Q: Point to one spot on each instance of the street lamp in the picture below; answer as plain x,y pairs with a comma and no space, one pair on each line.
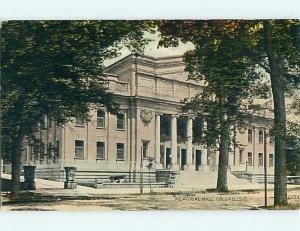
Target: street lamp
141,172
265,168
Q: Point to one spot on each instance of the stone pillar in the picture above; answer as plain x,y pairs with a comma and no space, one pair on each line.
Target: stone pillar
216,156
189,143
204,166
70,182
157,140
174,141
29,177
203,156
253,164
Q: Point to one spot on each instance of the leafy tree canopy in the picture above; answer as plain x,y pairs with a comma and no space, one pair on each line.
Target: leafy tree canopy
55,68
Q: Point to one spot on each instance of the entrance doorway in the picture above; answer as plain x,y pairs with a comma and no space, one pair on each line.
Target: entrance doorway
198,159
168,158
183,158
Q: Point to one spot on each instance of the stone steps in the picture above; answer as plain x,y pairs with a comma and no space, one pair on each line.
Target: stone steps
258,178
205,180
130,185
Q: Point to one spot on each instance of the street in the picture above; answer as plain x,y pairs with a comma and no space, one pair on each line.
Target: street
235,200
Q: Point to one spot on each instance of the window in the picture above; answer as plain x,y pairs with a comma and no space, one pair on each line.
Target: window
120,151
260,159
249,158
241,155
271,160
100,150
249,135
79,149
272,138
145,149
100,119
79,122
121,121
261,136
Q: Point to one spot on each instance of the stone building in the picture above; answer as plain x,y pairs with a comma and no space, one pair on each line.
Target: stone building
149,91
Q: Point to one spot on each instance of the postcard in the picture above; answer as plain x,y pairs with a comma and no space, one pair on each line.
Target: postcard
131,115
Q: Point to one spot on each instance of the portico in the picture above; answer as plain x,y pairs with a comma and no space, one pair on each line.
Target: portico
177,151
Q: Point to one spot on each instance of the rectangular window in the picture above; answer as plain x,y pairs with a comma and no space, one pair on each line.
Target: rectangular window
120,151
249,158
100,119
121,121
79,149
145,149
271,160
79,122
100,150
241,155
272,138
261,136
260,159
249,135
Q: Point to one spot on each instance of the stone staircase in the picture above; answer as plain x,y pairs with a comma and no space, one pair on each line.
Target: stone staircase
258,178
207,180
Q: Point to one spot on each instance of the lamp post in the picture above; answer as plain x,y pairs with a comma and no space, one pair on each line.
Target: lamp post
265,168
141,172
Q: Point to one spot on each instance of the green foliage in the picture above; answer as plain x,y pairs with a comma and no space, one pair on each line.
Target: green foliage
55,68
293,148
226,66
230,56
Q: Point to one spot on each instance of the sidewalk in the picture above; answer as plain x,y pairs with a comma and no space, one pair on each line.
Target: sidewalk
55,188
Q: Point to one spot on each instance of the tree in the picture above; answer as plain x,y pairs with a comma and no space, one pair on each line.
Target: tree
231,80
283,58
276,45
54,69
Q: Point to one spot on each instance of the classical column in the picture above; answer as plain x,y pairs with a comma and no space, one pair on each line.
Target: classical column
204,152
157,138
204,156
232,147
189,143
174,139
253,164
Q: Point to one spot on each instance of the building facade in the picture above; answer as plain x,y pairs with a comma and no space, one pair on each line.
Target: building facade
150,124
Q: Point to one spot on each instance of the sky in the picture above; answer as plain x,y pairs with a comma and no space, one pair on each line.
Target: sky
152,50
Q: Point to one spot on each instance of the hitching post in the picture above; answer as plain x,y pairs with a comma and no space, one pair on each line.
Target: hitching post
29,177
70,178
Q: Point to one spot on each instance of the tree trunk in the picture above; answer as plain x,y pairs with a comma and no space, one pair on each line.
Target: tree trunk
16,165
222,185
277,82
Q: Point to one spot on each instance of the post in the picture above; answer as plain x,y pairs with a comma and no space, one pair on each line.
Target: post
141,172
265,168
157,138
70,178
29,177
